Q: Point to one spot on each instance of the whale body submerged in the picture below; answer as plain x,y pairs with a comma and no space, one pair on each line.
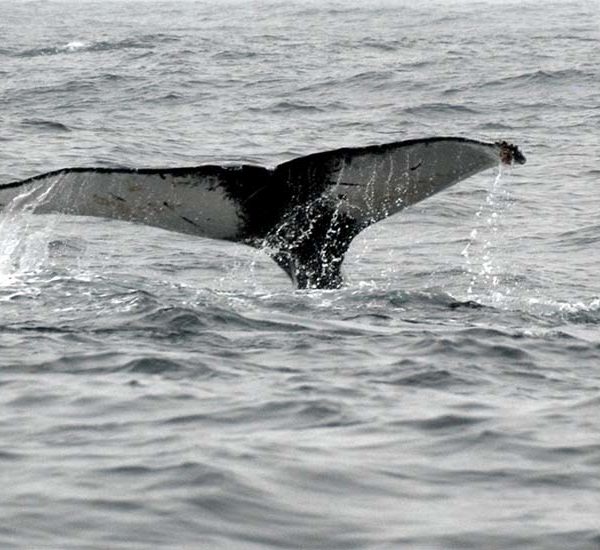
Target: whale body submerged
304,213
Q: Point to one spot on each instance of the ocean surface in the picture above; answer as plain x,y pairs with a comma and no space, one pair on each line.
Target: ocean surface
164,391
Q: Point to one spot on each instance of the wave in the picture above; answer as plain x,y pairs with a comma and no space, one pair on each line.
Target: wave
284,107
494,127
368,76
77,46
422,376
433,108
372,78
153,365
50,125
566,37
558,312
234,55
580,237
541,77
380,45
69,86
305,413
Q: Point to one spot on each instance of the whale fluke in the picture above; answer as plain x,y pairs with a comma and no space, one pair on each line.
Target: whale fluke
303,213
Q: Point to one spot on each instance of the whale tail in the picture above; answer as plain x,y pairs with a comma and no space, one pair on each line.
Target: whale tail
336,194
303,213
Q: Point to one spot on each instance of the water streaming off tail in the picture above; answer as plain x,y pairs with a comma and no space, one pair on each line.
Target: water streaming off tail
485,256
24,239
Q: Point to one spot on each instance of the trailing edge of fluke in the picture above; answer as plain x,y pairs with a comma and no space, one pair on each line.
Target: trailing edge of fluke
304,213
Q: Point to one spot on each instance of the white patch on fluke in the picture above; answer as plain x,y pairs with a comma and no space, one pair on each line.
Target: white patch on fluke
177,203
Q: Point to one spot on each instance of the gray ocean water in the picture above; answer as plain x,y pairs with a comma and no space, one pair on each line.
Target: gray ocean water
164,391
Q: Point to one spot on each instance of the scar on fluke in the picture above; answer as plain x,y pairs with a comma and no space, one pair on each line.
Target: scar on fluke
117,197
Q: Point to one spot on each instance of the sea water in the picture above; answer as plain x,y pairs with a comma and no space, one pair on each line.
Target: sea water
164,391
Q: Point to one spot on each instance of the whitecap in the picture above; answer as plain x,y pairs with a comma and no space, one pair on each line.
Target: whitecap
74,46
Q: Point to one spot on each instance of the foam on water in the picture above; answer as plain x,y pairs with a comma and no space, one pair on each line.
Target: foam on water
75,45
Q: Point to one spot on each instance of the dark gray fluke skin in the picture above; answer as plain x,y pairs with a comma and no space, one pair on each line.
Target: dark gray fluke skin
303,213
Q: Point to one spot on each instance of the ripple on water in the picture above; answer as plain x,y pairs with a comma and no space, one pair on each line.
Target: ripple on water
143,405
49,125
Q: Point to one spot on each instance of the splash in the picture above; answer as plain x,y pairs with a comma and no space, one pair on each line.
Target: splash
23,240
483,253
74,46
